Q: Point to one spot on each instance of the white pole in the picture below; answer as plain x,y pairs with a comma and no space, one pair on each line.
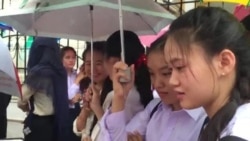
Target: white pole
127,71
91,44
121,31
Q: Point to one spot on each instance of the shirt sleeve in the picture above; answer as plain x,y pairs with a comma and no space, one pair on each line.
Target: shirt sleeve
114,127
78,133
140,120
73,90
27,92
86,131
133,104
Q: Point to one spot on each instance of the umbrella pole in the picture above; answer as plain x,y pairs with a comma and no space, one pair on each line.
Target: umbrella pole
121,31
91,8
127,71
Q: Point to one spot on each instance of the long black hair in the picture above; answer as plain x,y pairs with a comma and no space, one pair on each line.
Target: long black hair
133,51
215,30
107,87
98,46
246,22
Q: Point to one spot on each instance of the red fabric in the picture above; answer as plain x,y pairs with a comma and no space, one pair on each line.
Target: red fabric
241,11
18,81
142,60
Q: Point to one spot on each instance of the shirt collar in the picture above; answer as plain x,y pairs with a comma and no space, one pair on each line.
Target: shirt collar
73,73
195,114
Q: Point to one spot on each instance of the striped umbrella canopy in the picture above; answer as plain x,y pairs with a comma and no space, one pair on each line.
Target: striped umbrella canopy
5,27
243,2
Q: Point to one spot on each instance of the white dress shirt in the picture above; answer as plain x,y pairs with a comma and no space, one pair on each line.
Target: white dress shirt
240,124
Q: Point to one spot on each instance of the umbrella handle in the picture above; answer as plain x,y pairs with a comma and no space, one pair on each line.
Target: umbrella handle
128,75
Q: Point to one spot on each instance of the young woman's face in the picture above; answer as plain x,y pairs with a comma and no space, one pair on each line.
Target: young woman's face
192,77
69,60
99,72
159,74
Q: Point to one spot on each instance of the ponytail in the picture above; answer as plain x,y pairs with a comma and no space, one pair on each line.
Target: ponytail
142,81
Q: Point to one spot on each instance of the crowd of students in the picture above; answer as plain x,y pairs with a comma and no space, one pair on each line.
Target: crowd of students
200,69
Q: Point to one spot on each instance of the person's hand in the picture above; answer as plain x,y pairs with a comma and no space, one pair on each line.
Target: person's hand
134,136
85,102
85,112
79,77
76,98
95,97
122,89
24,107
87,139
82,68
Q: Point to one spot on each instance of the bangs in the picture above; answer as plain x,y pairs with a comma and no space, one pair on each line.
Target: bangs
183,38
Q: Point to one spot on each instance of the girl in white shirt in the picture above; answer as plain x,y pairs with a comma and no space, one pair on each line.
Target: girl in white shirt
208,52
140,94
84,123
163,119
68,57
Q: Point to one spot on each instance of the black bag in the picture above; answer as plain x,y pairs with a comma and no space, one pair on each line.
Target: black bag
232,138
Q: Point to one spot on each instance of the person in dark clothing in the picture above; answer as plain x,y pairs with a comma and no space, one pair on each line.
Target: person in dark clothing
45,94
4,102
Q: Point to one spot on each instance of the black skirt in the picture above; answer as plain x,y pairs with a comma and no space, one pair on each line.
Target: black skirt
39,128
73,113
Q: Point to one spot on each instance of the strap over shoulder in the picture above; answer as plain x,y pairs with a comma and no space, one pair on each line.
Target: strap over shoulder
154,109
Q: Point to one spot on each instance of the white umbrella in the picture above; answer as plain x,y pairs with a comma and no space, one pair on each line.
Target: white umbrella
9,80
87,19
72,18
11,139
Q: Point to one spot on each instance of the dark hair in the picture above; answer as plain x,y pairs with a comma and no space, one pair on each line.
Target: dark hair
84,84
65,49
106,88
133,51
246,22
98,46
44,51
158,44
215,29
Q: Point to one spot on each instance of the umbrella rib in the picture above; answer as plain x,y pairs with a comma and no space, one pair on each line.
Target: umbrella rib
145,22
